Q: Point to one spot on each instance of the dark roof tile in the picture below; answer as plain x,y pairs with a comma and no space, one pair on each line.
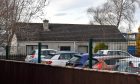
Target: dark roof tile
68,32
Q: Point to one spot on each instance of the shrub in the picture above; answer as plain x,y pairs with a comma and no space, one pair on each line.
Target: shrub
100,46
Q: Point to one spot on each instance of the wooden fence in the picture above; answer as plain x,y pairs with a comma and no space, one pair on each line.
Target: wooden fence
12,72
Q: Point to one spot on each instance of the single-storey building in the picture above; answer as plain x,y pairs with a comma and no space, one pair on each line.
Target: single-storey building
71,37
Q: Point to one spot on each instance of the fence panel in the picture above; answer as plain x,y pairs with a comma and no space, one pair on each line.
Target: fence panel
25,73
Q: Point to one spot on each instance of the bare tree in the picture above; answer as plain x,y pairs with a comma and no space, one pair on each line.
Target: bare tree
14,11
114,12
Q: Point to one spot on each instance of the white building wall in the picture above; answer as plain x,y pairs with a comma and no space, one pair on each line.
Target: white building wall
51,45
117,46
74,45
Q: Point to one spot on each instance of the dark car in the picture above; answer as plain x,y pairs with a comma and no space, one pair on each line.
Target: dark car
83,61
80,60
77,60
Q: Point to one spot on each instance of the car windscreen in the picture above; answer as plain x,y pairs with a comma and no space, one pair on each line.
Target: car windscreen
65,56
111,61
75,58
94,61
118,53
48,56
51,52
33,52
122,66
100,52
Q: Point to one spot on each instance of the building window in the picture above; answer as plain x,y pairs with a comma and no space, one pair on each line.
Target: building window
82,49
65,48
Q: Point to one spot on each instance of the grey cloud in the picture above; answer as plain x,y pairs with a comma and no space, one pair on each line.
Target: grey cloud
78,4
74,6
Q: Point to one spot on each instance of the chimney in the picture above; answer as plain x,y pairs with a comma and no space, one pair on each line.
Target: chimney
46,25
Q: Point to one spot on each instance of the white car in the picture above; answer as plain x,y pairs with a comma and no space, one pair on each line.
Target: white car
128,57
130,65
60,59
47,53
134,60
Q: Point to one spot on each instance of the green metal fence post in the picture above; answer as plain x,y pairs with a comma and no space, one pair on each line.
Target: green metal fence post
90,53
7,52
39,52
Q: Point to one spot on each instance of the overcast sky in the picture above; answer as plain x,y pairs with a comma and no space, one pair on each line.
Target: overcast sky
73,11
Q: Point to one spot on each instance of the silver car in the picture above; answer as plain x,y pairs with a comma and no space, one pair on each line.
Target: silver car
47,53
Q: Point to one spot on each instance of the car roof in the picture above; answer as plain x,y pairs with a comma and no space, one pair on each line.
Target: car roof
108,57
94,54
66,52
136,59
109,50
106,51
45,49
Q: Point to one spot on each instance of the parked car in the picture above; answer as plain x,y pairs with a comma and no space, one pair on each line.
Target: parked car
47,53
135,61
103,63
123,63
82,61
60,58
125,66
